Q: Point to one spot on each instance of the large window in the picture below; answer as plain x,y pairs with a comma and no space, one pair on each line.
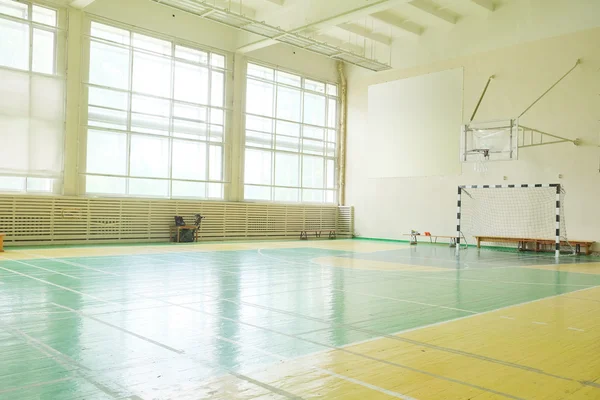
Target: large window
291,137
32,99
156,117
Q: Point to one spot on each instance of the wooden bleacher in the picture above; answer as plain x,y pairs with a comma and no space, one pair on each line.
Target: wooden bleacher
538,243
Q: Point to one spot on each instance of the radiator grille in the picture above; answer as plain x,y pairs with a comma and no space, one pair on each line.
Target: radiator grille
28,220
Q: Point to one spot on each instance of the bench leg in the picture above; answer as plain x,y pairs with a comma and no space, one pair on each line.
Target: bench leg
1,244
303,235
478,243
332,235
318,234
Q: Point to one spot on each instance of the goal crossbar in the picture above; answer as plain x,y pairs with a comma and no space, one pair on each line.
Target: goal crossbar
463,189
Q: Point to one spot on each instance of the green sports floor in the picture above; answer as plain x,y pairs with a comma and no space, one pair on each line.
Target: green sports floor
324,319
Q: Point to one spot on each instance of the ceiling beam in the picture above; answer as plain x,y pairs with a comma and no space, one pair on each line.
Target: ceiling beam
366,33
81,4
327,22
431,9
353,48
487,4
398,22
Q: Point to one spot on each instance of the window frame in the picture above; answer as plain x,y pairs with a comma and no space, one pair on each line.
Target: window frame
274,135
224,126
59,30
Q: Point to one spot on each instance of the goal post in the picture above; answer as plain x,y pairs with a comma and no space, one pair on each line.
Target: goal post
512,214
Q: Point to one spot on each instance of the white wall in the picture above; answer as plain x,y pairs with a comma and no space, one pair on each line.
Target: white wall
388,208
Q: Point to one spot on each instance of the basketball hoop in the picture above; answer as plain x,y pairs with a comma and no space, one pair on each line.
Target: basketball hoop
481,160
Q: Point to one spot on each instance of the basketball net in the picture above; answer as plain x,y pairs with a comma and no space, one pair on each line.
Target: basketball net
483,156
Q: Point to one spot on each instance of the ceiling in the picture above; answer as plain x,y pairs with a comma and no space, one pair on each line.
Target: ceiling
361,32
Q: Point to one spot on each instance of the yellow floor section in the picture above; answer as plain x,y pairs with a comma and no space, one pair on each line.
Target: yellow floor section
546,349
373,265
587,268
358,246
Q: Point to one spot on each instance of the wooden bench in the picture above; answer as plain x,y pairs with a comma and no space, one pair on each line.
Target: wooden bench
2,242
304,234
538,243
432,238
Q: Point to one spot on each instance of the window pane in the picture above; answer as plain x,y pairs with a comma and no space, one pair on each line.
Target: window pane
287,194
259,139
105,185
109,66
144,123
149,156
259,124
215,191
107,98
110,33
103,118
260,71
151,44
40,185
331,135
44,15
215,158
330,197
191,83
43,51
217,116
288,103
150,105
14,9
289,79
313,147
288,128
152,75
259,98
217,60
217,89
313,133
148,187
216,133
258,167
190,130
312,172
189,112
287,143
313,196
189,160
193,55
14,46
314,109
189,189
257,193
332,113
10,183
330,174
314,86
332,90
287,168
106,153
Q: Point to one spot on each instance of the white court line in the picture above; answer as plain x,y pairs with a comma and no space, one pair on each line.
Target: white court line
154,342
539,323
56,259
575,329
42,268
367,385
60,286
511,318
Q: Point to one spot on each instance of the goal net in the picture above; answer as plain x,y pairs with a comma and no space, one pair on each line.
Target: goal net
503,213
